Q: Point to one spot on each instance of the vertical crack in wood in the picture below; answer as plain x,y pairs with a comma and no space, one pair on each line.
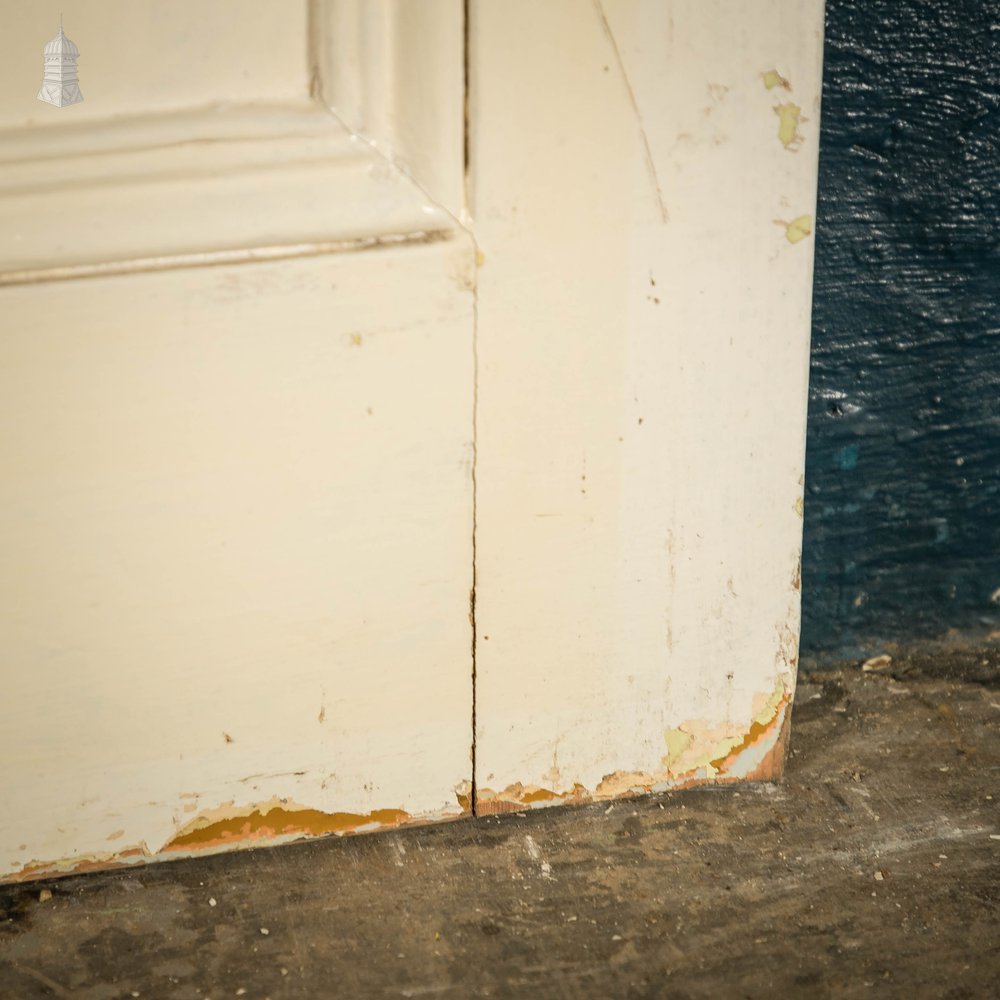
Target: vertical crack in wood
466,129
466,157
475,523
314,35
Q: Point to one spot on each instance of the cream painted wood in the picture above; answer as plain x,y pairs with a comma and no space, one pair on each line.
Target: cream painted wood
362,141
642,212
193,187
236,516
264,366
139,58
393,70
236,526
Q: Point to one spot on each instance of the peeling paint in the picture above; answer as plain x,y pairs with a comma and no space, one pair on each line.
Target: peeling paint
78,866
228,827
464,793
677,741
274,819
697,754
772,78
518,797
796,230
789,116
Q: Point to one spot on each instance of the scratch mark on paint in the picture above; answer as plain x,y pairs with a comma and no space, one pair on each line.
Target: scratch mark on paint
116,835
218,258
269,774
647,151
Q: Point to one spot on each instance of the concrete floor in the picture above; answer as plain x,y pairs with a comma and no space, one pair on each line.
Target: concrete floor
873,870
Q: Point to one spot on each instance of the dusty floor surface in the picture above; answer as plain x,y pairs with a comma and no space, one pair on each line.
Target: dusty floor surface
873,870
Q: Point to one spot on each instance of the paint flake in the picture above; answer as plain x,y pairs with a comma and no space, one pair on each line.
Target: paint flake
696,754
789,117
772,78
795,231
227,828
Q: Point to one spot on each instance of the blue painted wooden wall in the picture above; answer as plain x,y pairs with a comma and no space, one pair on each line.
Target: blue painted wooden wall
902,514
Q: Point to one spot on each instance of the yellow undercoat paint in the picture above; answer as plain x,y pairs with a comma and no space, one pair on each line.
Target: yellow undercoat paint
788,124
277,821
798,229
772,78
710,755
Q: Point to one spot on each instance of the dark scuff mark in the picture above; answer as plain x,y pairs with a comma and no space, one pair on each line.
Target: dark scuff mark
314,34
647,151
466,86
222,258
475,530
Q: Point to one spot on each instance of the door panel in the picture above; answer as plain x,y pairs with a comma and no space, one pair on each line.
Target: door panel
236,520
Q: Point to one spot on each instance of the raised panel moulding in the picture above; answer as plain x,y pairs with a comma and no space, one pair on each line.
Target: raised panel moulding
215,185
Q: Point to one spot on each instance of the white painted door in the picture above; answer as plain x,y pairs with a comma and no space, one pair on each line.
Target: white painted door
323,434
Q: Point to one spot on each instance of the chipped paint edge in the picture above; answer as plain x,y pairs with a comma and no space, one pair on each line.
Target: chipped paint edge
759,755
229,828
